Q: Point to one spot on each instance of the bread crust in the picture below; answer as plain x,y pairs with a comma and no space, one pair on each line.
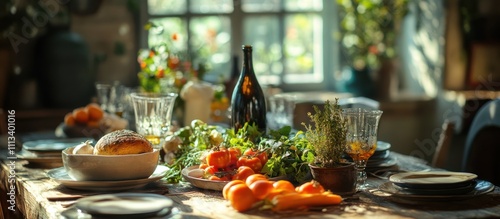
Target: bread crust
122,142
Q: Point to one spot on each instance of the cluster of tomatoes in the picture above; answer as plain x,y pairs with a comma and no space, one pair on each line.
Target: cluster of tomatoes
225,164
282,194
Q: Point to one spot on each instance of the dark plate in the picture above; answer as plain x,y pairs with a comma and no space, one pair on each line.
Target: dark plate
432,180
389,189
124,205
382,146
444,191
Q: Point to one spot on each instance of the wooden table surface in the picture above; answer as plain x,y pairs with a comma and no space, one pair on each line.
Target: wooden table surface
38,196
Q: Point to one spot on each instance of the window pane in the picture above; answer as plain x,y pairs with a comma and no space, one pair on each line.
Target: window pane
211,6
158,7
211,43
260,5
164,30
302,46
263,33
303,5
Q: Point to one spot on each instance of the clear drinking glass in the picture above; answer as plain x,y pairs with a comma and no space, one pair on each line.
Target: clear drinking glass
153,115
362,126
281,110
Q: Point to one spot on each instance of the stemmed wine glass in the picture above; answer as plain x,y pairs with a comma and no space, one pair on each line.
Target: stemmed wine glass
362,126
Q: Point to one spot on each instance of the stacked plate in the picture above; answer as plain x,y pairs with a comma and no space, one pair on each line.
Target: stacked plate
121,205
435,186
381,158
47,153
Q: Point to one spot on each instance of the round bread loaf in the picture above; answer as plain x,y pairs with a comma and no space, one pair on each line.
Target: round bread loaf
122,142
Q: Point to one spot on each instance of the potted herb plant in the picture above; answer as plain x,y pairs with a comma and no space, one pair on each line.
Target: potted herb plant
327,140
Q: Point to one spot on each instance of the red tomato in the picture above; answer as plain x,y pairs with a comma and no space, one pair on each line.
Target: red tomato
234,155
252,162
262,155
243,173
218,159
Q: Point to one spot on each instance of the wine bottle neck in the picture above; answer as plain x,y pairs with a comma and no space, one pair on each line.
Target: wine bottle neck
247,67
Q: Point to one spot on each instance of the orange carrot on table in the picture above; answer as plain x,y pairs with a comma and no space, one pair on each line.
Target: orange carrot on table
296,200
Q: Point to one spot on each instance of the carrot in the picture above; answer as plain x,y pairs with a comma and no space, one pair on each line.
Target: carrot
297,200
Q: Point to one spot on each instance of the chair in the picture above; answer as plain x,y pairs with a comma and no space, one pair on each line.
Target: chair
443,146
482,147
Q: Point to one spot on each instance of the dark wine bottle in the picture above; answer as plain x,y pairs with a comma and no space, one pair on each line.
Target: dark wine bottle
248,104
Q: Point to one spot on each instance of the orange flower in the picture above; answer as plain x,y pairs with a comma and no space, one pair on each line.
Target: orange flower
175,37
160,73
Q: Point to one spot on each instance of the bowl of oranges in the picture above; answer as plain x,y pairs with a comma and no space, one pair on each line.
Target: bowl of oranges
90,121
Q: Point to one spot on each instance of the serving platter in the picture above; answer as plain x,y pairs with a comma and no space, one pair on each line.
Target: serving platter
61,176
210,184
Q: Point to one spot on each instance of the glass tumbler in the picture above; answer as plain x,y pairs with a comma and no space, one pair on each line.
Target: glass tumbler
153,115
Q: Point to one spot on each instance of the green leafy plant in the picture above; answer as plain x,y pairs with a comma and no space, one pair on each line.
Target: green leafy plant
369,30
327,136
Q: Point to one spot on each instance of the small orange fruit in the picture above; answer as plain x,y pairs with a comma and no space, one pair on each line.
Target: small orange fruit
255,177
93,124
95,112
81,115
261,188
241,197
69,120
284,185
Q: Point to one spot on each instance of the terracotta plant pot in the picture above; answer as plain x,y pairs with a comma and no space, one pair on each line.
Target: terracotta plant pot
339,180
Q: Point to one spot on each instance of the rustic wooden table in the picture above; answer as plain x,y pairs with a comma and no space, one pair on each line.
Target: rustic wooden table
37,196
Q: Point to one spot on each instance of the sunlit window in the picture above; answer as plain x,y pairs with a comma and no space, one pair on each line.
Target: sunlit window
287,35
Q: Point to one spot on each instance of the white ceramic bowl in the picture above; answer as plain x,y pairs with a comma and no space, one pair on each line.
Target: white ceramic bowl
89,167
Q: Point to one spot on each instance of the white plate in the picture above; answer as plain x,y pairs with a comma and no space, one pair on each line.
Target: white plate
436,179
61,176
481,187
40,161
202,183
52,145
124,204
210,184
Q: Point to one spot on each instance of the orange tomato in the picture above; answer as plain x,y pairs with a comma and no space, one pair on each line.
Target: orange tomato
243,173
203,166
95,112
81,115
210,170
311,187
93,124
214,178
226,188
69,120
284,185
241,197
255,177
261,188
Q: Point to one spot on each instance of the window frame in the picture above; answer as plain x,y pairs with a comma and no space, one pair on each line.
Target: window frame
330,61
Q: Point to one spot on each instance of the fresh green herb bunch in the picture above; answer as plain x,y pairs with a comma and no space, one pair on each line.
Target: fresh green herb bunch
328,136
288,154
